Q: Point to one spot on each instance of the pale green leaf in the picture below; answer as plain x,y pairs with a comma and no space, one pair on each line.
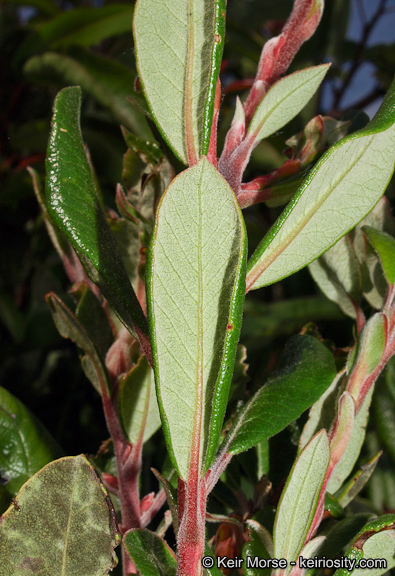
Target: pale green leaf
179,46
195,294
341,189
299,498
138,404
346,464
285,100
62,523
338,274
382,546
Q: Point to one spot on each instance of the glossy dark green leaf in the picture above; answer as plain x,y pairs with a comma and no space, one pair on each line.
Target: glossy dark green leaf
258,545
150,554
25,445
75,208
108,81
62,523
308,370
69,327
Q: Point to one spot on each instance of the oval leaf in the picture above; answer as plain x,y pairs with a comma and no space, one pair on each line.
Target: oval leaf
179,47
150,554
61,523
196,273
75,209
299,498
340,190
309,369
26,446
285,99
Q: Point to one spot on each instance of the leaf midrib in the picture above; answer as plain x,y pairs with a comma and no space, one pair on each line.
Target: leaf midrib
310,214
277,104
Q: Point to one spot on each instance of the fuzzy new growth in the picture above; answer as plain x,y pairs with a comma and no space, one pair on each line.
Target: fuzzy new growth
275,59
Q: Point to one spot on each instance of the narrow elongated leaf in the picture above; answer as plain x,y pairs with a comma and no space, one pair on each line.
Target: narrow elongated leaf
308,371
299,498
75,208
285,100
26,446
179,47
62,523
138,404
196,290
340,190
150,554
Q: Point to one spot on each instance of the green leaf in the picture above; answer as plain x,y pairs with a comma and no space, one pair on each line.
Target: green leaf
195,298
86,27
62,523
308,370
93,318
338,274
352,488
263,322
376,540
138,405
179,47
69,326
323,412
346,464
75,208
285,99
26,446
340,190
105,79
149,149
259,544
385,248
171,497
150,554
382,546
299,498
